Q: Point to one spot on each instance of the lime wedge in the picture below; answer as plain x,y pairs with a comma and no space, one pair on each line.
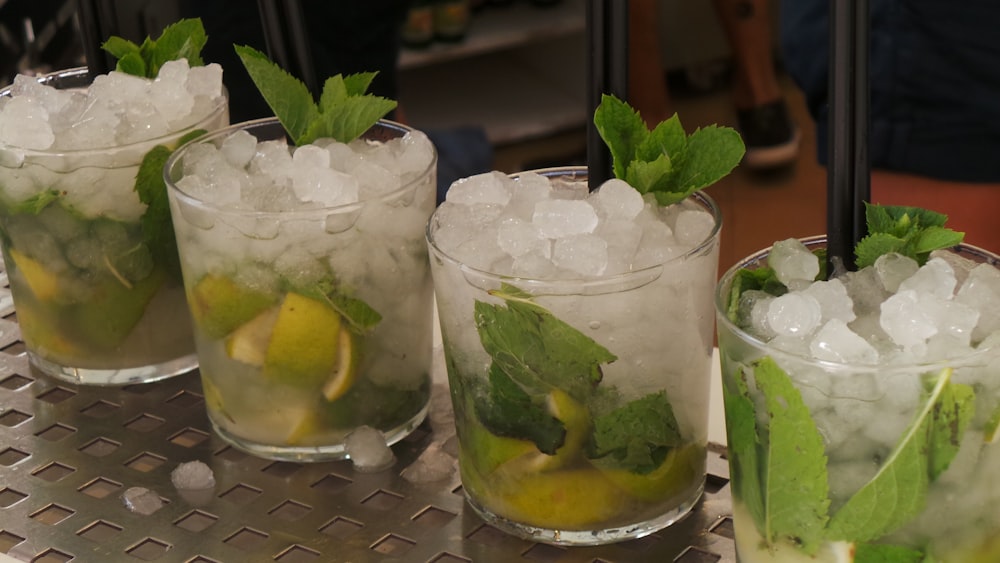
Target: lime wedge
43,283
342,378
219,305
305,342
576,418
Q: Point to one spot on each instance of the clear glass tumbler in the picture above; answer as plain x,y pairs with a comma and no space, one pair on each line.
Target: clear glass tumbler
841,450
312,321
581,405
91,262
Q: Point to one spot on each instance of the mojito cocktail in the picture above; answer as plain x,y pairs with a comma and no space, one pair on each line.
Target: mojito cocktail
308,281
84,225
577,329
862,408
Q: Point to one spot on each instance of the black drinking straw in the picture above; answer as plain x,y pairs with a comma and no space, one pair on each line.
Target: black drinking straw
287,39
95,29
607,41
848,172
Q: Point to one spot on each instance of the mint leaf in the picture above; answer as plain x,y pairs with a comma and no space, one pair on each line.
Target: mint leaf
638,435
286,95
537,350
796,498
36,203
360,316
510,411
748,481
910,231
183,39
898,491
665,161
879,553
622,129
344,111
762,279
952,415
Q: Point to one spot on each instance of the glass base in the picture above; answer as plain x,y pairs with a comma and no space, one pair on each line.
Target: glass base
331,452
114,377
588,537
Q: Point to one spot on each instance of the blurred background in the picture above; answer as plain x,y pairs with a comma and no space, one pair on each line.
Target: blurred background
501,84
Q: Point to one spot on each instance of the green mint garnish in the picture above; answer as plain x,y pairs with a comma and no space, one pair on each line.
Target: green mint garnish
794,477
182,39
512,412
881,553
910,231
638,435
344,110
665,161
157,227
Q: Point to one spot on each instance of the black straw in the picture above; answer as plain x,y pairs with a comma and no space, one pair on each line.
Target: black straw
288,40
95,30
607,36
849,173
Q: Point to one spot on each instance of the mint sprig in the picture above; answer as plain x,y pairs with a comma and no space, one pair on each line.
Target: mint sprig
182,39
344,110
666,161
910,231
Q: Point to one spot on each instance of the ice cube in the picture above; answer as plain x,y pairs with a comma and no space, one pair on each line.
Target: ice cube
833,299
657,245
533,265
529,189
584,254
169,94
835,342
559,218
414,155
693,227
205,80
792,261
192,475
517,238
981,291
238,149
368,450
905,321
893,268
616,199
489,188
934,278
25,123
141,500
794,314
623,238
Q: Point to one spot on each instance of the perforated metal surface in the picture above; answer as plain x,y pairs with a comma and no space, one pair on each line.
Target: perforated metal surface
67,455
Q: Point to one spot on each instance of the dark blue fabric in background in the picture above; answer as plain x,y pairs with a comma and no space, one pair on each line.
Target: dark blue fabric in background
935,82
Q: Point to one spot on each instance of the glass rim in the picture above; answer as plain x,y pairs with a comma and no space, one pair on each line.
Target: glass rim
175,158
79,72
583,282
721,298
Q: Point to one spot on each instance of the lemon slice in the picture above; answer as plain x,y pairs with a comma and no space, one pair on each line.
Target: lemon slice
681,468
576,418
304,345
343,375
219,305
43,283
563,499
249,342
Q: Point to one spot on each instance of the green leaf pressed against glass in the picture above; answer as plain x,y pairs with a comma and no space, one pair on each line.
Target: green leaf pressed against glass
878,553
952,415
898,492
511,412
744,445
638,435
796,493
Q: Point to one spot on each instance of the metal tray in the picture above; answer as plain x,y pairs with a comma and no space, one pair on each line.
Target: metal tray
68,454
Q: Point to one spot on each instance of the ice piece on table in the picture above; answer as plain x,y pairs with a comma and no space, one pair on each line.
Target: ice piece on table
141,500
368,451
794,314
792,262
192,475
564,217
835,342
893,268
433,464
